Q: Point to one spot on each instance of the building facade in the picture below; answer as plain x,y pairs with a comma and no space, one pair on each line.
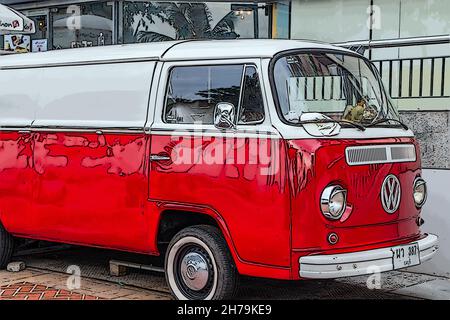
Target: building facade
416,71
69,24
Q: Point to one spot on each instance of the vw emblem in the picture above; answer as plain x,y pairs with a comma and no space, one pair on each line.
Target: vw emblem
391,194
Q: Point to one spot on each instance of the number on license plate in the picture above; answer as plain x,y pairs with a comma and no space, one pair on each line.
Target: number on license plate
406,256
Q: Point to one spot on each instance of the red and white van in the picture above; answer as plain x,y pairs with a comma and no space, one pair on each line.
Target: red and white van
268,158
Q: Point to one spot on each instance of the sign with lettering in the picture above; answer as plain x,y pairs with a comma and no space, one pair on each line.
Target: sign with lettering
17,43
39,45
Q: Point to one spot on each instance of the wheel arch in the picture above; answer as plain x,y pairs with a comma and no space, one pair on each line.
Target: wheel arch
174,218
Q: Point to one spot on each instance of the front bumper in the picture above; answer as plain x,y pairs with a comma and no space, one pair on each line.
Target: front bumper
361,262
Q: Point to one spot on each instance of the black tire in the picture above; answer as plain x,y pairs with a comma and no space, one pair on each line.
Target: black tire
6,247
205,246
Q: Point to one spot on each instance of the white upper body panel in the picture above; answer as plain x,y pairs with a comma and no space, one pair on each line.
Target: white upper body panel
94,55
110,87
237,49
94,96
170,50
17,97
106,87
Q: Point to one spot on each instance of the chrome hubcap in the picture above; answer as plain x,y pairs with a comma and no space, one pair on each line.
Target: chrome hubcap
194,271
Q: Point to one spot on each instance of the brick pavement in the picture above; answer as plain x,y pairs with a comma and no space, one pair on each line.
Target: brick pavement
32,291
36,284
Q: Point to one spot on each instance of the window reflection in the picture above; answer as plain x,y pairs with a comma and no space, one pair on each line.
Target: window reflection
194,92
339,86
252,106
164,21
83,25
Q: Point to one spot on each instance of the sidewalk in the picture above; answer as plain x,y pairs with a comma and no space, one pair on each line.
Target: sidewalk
34,284
409,285
46,278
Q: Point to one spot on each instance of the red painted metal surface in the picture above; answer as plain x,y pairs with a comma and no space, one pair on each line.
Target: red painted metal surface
250,196
16,181
315,164
100,190
78,188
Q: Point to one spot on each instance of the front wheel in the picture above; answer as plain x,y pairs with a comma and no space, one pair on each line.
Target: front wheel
199,265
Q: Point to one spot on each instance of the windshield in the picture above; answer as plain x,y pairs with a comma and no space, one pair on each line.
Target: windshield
339,86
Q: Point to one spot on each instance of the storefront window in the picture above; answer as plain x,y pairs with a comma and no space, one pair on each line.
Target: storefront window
82,25
39,40
17,43
164,21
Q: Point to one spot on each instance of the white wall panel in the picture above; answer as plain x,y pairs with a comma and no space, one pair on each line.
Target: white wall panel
330,21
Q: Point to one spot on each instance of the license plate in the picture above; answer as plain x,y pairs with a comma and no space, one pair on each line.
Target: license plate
406,256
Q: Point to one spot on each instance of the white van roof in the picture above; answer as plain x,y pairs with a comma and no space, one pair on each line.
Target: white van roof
164,51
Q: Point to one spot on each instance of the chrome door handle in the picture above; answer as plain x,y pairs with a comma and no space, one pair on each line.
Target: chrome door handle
158,157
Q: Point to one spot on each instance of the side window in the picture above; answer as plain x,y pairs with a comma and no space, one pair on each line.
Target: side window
252,105
193,92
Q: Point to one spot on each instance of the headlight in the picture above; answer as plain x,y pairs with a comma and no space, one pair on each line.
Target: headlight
333,202
420,192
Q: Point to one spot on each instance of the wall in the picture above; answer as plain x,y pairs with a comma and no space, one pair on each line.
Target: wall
330,21
432,131
436,214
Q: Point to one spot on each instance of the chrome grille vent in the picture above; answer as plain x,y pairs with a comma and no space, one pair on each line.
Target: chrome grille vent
380,154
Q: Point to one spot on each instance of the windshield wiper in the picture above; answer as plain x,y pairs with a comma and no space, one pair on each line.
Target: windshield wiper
404,126
353,124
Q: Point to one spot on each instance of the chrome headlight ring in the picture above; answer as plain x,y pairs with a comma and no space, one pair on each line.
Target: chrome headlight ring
419,192
333,202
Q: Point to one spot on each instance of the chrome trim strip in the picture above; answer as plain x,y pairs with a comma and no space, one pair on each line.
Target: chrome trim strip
78,63
18,129
74,129
157,157
164,132
216,133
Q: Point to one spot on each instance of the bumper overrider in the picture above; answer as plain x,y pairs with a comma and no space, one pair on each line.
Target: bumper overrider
361,262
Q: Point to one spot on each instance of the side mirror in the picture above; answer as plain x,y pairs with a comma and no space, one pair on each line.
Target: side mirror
224,115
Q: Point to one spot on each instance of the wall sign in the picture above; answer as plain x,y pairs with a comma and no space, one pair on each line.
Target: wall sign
17,43
39,45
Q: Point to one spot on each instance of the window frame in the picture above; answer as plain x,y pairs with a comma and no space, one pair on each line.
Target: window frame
238,121
245,65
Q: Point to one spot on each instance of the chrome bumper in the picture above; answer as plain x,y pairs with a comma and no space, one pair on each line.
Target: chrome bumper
361,262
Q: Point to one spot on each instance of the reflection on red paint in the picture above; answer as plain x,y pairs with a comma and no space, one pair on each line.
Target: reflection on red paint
43,158
120,159
11,154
